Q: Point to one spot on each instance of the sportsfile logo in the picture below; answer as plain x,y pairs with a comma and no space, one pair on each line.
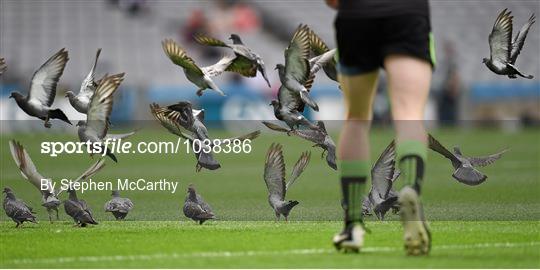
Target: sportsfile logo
114,146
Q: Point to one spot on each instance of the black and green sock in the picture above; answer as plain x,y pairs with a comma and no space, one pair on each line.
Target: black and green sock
354,176
412,156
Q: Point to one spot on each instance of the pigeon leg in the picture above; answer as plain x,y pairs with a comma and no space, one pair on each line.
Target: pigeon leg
286,219
277,217
323,152
47,124
200,92
17,225
57,217
49,213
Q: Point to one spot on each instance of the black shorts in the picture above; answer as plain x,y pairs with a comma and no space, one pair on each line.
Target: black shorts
364,43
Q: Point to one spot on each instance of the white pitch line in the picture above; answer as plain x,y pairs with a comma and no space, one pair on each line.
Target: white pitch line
225,254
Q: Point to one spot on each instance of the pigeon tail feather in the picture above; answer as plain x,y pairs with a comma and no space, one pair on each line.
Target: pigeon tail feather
59,114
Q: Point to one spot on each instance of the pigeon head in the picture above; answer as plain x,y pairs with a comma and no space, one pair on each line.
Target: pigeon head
81,123
274,103
191,192
69,94
485,60
9,193
235,39
7,190
16,95
115,193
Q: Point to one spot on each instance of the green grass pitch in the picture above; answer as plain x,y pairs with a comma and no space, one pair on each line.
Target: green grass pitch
492,225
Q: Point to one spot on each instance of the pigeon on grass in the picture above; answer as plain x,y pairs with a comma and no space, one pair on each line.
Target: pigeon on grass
79,210
274,177
464,167
42,91
118,206
319,136
246,62
201,77
196,208
49,196
17,209
95,128
503,50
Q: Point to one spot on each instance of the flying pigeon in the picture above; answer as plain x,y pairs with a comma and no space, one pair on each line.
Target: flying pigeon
118,206
320,137
43,90
319,48
184,121
465,171
3,66
17,209
78,210
295,75
201,77
503,50
49,196
95,128
196,208
246,62
81,101
274,177
382,197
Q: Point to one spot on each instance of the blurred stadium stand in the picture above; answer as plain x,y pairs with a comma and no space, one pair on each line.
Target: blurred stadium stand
32,30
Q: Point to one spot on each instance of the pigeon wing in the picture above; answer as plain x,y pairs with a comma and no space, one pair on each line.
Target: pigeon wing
45,79
179,57
181,112
297,54
3,65
243,66
275,127
100,106
91,171
519,40
439,148
88,85
219,67
27,167
487,160
298,168
168,122
120,136
383,171
210,41
500,38
274,171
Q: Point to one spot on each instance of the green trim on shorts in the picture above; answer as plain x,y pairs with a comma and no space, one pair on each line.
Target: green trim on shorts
432,50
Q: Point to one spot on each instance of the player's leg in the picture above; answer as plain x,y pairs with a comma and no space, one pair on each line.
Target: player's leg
358,69
409,80
353,154
409,60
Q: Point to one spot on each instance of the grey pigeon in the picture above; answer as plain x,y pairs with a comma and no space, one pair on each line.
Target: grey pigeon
49,196
320,48
320,137
503,50
465,171
43,90
17,209
184,121
295,74
274,177
196,208
81,101
382,197
78,210
118,206
3,66
95,128
201,77
321,61
246,62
